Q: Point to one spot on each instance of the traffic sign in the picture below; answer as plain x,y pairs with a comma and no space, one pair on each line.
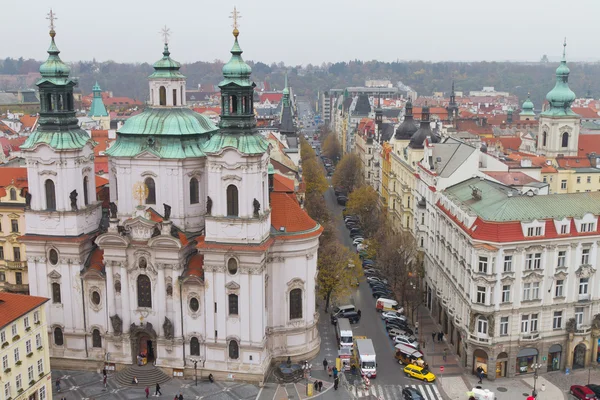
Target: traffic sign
442,368
544,358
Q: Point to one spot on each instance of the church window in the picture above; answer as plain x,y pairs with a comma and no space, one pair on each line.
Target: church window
232,201
162,94
234,350
96,338
50,195
194,304
232,266
85,190
233,105
56,293
13,194
16,254
544,138
169,290
194,195
53,257
174,97
14,225
95,298
233,304
144,288
295,303
151,198
194,347
116,189
181,93
70,101
49,99
58,337
565,139
143,263
118,287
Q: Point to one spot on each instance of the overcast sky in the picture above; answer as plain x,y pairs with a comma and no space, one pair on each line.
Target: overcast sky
306,31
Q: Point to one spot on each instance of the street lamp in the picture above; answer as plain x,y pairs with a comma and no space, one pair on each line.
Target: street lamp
306,368
196,361
535,366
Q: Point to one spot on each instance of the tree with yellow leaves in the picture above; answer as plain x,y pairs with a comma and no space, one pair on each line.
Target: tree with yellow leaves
364,203
313,177
348,173
332,148
339,268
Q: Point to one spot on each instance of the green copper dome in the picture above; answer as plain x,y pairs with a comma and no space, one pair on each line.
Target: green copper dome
527,107
170,121
97,109
166,67
561,96
54,69
236,70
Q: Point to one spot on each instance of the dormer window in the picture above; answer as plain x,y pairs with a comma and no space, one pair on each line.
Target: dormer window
564,229
587,227
534,231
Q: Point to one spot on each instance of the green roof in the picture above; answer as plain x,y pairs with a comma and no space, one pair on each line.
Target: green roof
527,108
54,70
60,140
161,146
236,71
247,144
561,96
497,205
174,121
166,67
97,109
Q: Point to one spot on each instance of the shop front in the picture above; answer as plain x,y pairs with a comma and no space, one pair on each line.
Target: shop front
579,356
554,357
598,352
501,363
525,359
480,359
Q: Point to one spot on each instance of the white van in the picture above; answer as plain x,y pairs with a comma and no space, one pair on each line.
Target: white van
386,305
483,394
343,333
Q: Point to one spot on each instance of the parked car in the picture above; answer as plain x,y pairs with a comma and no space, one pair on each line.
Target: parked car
393,332
595,389
382,293
407,340
414,371
353,316
362,247
399,325
390,315
367,263
355,234
409,393
583,392
341,200
376,279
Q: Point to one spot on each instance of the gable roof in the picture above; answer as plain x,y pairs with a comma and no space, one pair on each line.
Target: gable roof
14,306
282,184
287,213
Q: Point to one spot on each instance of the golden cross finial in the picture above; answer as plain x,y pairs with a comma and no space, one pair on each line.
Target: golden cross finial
235,16
165,32
51,17
565,47
140,192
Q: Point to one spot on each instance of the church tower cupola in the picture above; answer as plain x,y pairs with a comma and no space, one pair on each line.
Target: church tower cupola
286,126
527,110
561,96
167,84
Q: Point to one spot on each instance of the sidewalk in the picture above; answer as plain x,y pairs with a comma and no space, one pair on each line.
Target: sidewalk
455,382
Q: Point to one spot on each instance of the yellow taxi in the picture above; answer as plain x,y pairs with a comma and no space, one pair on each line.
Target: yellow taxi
421,373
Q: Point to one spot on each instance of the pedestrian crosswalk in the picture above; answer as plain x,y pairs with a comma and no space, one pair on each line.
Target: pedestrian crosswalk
394,392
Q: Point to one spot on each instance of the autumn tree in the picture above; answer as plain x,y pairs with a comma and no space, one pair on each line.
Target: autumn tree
349,173
332,148
364,203
338,268
316,207
313,177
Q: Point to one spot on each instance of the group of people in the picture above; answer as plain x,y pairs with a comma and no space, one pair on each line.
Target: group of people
332,371
439,335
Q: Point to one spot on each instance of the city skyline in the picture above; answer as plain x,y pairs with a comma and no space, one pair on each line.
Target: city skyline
331,32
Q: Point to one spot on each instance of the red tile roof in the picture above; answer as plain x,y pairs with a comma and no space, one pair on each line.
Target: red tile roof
287,213
588,144
96,261
121,101
586,112
282,184
511,178
12,176
201,110
13,306
29,121
6,129
573,162
272,97
195,266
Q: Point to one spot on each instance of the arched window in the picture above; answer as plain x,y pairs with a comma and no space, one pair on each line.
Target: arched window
544,138
151,199
162,94
13,194
50,195
181,93
85,190
53,257
565,139
49,105
96,338
232,201
194,195
233,304
56,299
70,102
194,347
233,105
61,103
295,303
234,350
58,337
144,288
174,97
232,266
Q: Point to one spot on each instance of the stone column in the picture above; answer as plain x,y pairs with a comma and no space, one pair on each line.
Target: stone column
569,349
595,334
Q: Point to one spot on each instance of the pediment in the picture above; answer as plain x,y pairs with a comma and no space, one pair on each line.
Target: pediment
560,275
507,279
533,277
147,155
140,228
111,239
232,285
54,274
585,271
164,241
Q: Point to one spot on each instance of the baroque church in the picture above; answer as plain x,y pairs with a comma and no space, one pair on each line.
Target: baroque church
202,257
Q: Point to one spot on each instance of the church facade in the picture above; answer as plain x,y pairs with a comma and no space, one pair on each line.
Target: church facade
202,257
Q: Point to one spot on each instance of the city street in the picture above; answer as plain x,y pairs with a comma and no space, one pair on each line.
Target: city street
390,378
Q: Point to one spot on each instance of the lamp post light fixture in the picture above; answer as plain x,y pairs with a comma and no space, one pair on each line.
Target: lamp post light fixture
196,360
535,367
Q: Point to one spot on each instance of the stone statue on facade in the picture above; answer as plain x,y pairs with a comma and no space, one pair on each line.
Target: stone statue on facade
73,197
168,329
117,324
28,200
208,205
256,205
571,325
113,210
596,322
167,214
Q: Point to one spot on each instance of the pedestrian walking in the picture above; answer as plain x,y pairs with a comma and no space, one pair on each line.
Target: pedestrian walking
210,378
359,313
104,371
325,364
158,392
433,336
58,384
330,371
316,385
320,386
441,336
134,381
336,382
180,396
335,372
445,354
147,391
104,381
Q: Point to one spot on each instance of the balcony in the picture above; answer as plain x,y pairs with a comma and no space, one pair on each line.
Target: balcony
480,339
422,203
529,337
583,329
16,264
16,288
582,298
